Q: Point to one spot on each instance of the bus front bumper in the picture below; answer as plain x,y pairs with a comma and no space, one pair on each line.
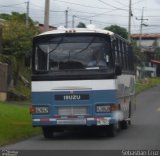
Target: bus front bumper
91,121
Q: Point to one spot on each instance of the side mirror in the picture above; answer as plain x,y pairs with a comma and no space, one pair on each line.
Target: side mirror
118,70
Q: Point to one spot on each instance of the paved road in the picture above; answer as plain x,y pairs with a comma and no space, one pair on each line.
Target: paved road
144,133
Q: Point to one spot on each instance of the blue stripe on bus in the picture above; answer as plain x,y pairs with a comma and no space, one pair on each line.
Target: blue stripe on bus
97,97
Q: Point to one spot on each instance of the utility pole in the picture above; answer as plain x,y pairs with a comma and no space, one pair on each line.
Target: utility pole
129,20
66,18
27,14
141,26
140,37
46,15
73,21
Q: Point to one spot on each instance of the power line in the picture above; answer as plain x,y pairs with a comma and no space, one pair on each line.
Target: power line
138,2
108,4
38,6
97,20
121,3
153,16
43,8
103,13
11,5
80,4
83,12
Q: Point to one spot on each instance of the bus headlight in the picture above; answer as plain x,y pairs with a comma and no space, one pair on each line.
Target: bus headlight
41,110
103,108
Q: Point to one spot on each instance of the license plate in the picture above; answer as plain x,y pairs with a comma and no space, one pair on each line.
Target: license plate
72,122
101,122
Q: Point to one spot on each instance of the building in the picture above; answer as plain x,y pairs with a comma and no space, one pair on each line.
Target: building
150,46
41,28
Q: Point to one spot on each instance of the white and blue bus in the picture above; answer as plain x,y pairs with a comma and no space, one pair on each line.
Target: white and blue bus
82,77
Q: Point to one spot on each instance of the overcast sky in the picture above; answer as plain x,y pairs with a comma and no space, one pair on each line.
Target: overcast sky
102,13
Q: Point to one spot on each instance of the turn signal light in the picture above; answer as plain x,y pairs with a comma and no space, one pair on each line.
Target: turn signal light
114,108
32,109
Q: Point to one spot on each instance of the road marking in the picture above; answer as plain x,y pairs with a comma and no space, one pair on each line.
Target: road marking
158,109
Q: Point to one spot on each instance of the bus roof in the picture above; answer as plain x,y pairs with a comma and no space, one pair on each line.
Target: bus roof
77,30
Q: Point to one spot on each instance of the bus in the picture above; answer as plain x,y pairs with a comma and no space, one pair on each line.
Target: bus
82,78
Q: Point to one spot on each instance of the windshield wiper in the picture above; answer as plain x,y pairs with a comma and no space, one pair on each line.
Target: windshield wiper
61,40
86,46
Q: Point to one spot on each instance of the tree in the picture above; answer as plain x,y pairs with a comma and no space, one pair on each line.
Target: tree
118,30
15,16
138,55
81,25
17,42
156,49
17,39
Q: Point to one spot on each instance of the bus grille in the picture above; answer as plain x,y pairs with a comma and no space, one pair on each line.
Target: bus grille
72,111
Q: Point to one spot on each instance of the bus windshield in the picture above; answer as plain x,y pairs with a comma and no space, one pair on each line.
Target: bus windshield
71,52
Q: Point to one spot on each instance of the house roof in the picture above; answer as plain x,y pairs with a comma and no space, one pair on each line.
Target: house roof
41,28
146,36
155,61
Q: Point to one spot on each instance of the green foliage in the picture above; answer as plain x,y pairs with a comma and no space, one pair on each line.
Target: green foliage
118,30
157,49
17,40
138,55
11,61
147,83
81,25
157,52
15,16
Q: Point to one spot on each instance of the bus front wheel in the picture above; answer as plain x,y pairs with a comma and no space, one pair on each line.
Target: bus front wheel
47,132
124,124
112,130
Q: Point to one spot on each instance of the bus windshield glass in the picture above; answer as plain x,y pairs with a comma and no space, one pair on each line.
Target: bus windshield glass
71,52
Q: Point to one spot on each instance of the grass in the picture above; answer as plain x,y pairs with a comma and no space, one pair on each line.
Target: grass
147,83
15,123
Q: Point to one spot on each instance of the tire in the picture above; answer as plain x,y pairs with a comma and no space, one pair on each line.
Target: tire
112,130
124,124
130,110
103,132
47,132
129,122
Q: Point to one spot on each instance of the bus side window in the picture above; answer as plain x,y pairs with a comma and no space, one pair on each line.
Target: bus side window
126,56
118,52
41,59
121,54
114,51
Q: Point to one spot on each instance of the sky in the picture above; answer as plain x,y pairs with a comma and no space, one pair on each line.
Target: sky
101,13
